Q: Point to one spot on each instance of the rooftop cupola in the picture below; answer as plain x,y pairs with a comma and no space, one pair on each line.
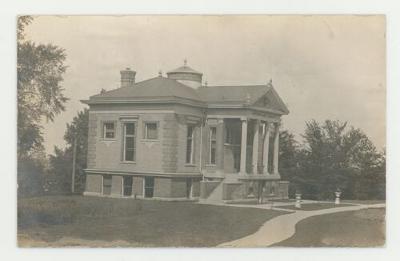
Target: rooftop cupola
186,75
127,78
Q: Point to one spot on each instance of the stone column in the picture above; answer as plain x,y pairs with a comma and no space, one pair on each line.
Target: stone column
220,145
243,147
255,147
266,147
276,149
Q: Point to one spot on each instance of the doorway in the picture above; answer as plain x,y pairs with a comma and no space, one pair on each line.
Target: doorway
148,187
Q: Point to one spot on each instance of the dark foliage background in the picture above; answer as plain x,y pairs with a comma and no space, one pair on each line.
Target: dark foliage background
40,97
61,162
332,157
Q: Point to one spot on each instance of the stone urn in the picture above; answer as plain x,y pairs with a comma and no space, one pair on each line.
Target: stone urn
337,199
298,200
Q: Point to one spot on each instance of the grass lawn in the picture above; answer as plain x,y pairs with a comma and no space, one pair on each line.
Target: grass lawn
136,222
362,228
315,206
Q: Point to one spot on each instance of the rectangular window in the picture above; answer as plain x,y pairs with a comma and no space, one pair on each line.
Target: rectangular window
129,141
108,130
148,187
107,181
212,144
128,186
189,144
272,190
151,131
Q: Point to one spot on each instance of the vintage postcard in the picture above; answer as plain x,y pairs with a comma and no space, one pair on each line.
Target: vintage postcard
201,131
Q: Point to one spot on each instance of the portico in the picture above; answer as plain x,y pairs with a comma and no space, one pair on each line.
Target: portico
245,142
246,156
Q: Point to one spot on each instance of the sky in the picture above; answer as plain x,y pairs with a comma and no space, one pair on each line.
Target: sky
323,67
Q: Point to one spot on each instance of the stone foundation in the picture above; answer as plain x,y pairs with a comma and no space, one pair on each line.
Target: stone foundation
207,187
163,188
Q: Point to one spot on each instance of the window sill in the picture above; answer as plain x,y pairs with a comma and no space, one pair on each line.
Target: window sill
231,144
190,165
211,165
150,140
102,139
128,162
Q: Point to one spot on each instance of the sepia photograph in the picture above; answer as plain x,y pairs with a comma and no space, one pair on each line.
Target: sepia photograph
210,131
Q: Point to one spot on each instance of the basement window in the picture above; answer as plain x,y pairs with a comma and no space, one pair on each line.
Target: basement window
148,187
107,182
272,190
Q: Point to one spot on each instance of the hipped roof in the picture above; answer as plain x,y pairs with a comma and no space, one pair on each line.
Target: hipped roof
161,88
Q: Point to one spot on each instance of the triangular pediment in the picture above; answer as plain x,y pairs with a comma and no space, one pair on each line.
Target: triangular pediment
271,100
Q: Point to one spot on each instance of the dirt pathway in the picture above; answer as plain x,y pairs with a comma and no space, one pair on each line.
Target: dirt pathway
282,227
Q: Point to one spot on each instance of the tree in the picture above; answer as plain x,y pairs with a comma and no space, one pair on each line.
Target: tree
336,157
61,161
288,159
39,93
39,96
369,166
30,175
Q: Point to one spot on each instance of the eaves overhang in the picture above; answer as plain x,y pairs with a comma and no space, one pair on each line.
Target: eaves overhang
153,100
245,106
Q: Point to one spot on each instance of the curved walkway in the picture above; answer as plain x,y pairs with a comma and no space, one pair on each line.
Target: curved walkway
282,227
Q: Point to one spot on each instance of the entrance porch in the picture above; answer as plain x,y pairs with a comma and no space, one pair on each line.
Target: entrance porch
245,146
242,156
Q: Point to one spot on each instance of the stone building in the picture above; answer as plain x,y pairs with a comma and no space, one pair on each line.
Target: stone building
174,138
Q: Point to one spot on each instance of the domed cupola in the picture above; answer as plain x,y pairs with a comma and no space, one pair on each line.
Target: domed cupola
186,75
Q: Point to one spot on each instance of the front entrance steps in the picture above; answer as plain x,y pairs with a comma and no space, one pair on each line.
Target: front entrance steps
235,186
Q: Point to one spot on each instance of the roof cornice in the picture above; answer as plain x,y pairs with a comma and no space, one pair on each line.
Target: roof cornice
152,100
188,102
256,108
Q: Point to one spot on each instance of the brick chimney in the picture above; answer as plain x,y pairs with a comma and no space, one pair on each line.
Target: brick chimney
127,78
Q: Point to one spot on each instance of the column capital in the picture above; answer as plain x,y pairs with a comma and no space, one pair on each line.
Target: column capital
244,119
268,124
220,120
212,121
